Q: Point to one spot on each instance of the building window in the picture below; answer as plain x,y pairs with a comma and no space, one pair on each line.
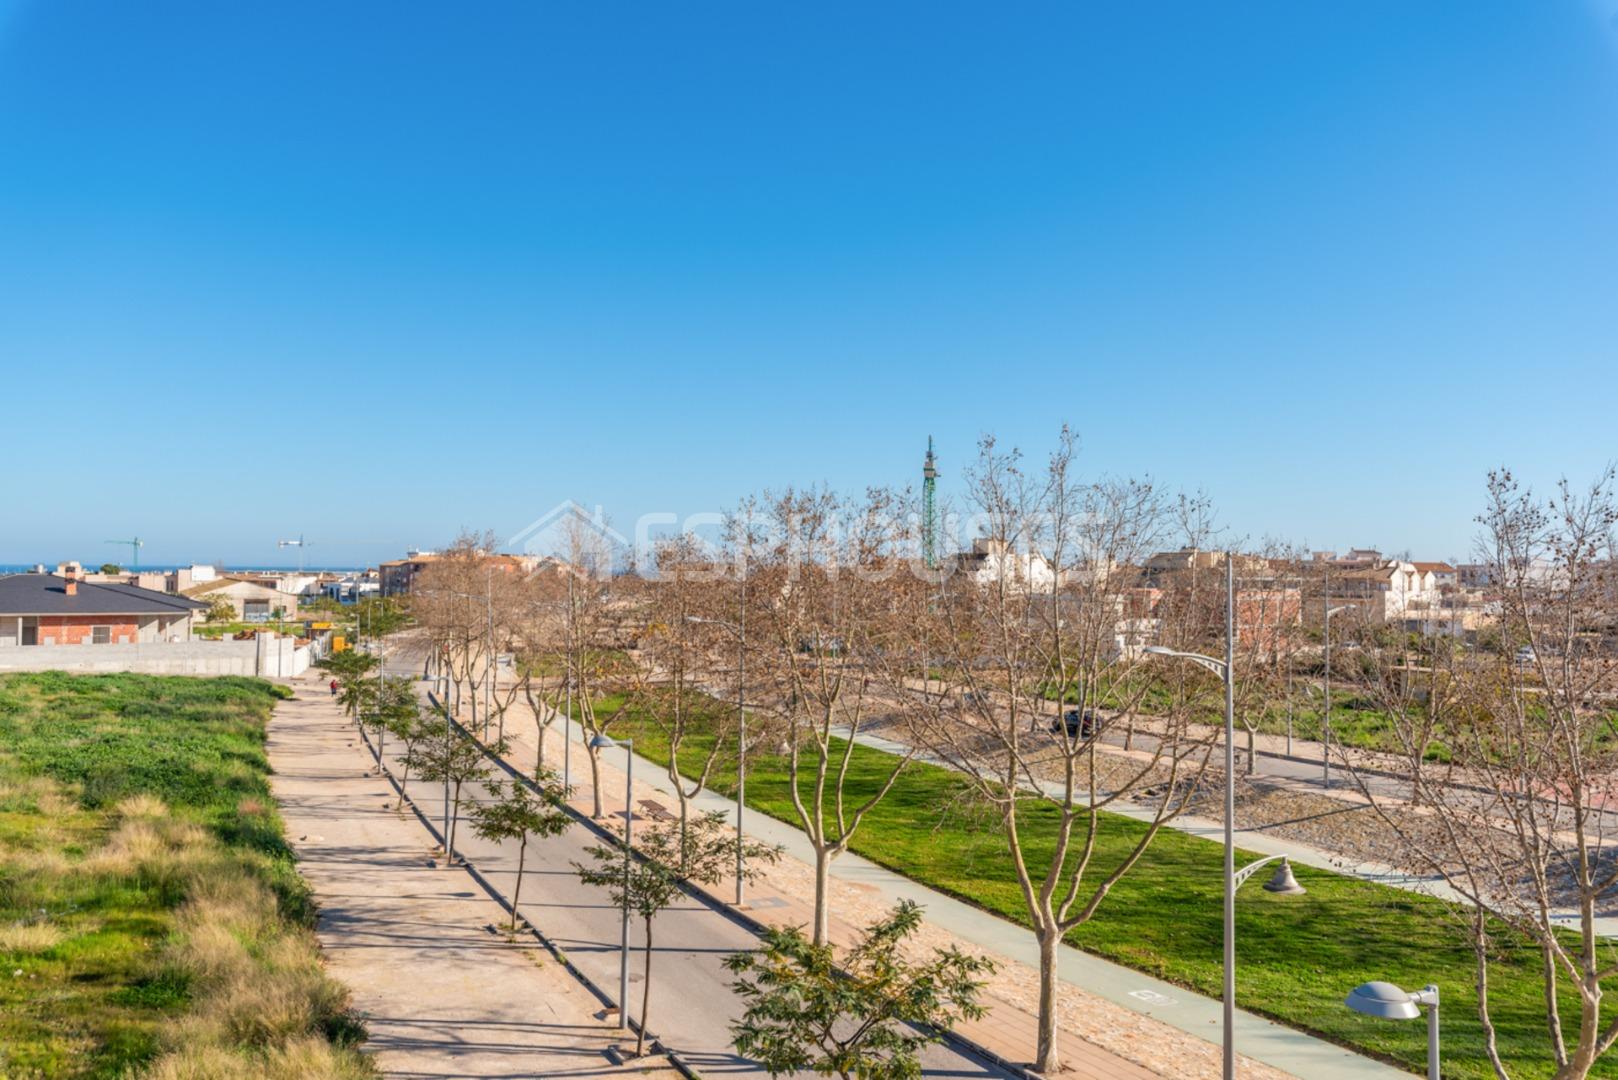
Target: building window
101,635
255,610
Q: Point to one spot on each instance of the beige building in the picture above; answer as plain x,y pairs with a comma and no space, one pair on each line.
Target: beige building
252,601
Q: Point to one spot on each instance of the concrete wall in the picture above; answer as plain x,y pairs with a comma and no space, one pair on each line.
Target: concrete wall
267,656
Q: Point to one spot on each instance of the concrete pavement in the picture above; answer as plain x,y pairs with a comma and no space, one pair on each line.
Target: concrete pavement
440,995
1264,1042
692,1004
1261,1040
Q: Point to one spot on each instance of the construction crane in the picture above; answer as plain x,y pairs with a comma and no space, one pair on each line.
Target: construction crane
300,543
134,544
929,508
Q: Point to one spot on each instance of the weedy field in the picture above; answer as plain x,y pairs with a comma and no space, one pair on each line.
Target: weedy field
151,921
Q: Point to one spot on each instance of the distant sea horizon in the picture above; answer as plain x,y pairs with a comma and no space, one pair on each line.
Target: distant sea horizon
23,568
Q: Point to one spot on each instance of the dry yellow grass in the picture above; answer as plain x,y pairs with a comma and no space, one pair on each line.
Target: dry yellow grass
226,979
259,996
257,983
29,937
307,1058
167,853
147,807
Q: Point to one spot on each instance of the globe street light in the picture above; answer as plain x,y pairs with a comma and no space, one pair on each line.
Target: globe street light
607,742
1387,1002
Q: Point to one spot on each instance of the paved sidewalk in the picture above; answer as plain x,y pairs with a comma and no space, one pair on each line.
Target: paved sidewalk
1115,1022
1183,1030
692,1000
441,996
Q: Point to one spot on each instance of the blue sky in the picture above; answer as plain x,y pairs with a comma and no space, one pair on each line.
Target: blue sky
373,272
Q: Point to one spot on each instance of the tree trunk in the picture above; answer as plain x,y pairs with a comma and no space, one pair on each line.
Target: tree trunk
454,820
404,785
645,993
822,894
516,891
595,780
679,789
1047,1059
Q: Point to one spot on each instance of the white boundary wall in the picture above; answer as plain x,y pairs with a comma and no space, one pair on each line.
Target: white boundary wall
267,656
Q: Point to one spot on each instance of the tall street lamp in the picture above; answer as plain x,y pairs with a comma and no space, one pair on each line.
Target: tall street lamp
433,659
1387,1002
449,741
567,676
739,629
1325,731
1225,669
606,742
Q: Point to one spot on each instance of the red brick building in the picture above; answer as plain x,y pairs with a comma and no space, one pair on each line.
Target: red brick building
47,609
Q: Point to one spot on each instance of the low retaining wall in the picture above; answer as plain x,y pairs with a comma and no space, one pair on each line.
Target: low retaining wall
269,657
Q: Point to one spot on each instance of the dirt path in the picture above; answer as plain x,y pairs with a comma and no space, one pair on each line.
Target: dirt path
442,996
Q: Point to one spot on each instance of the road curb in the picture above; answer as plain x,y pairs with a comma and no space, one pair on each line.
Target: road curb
658,1046
729,911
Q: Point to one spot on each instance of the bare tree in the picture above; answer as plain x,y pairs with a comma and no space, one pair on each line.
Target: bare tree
599,671
675,653
452,600
1047,609
539,640
1513,814
819,597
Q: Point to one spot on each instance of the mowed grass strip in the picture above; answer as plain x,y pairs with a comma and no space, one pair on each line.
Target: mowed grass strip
151,920
1298,956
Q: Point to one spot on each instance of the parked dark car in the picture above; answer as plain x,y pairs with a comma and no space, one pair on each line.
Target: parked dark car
1083,723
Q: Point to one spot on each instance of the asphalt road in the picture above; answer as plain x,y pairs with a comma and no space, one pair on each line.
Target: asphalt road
692,1004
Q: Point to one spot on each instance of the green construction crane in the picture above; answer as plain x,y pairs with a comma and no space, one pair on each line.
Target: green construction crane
134,544
929,508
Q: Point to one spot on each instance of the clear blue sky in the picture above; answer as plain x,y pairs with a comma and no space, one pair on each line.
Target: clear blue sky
373,272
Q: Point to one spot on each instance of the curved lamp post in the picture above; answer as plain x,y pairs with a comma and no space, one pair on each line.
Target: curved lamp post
607,742
1225,669
1387,1002
1282,882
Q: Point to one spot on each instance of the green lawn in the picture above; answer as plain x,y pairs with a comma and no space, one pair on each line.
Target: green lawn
1355,720
1299,955
151,920
226,629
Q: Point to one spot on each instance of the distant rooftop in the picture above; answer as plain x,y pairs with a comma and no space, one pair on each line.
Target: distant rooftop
46,594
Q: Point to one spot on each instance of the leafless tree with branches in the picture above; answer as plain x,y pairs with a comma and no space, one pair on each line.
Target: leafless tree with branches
1515,814
1049,611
